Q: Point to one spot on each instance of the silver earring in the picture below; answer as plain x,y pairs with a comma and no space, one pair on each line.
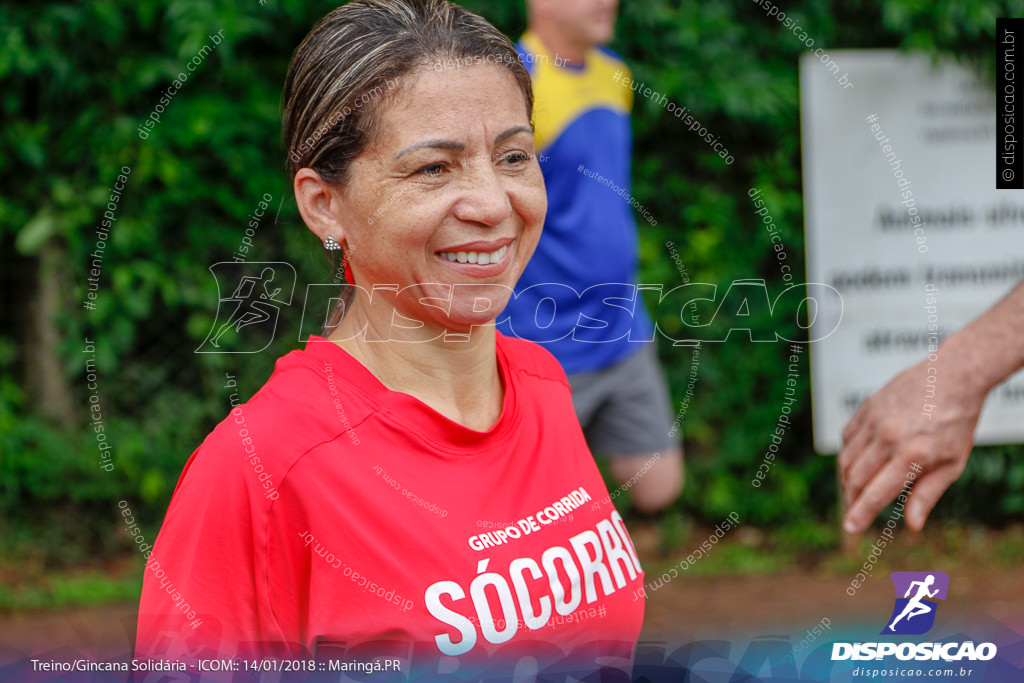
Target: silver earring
331,244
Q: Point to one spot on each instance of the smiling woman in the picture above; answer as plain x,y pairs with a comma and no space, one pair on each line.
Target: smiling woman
432,189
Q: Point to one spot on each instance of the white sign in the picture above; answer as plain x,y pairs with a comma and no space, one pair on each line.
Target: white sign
903,219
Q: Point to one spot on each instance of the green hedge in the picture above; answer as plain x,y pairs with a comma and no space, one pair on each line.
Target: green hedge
80,80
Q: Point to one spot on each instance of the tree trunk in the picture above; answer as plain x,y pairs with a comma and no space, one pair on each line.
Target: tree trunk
47,385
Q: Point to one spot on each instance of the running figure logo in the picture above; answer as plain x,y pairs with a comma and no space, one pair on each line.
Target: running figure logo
257,292
914,613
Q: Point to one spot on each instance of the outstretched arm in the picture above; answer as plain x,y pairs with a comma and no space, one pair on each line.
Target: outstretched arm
910,588
890,431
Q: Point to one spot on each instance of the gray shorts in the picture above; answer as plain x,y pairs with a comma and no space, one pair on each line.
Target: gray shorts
625,409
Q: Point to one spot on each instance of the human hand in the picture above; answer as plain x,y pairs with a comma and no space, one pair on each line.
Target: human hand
892,431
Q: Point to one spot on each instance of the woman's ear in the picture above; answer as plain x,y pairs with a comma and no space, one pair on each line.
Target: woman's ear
317,206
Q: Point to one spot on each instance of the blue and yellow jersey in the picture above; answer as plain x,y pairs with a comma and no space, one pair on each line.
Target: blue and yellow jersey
581,121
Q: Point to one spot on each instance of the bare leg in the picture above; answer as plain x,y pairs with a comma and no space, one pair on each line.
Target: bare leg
908,608
656,488
919,609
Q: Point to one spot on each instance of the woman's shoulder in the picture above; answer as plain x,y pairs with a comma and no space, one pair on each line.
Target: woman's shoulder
305,403
531,359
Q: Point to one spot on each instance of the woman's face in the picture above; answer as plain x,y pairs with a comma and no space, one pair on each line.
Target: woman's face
449,200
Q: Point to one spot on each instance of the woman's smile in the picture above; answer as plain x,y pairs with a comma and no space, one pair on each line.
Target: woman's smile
479,258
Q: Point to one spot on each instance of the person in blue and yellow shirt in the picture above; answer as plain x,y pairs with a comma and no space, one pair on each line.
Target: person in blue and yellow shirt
582,277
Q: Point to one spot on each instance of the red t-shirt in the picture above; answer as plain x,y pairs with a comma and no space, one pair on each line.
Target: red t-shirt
332,516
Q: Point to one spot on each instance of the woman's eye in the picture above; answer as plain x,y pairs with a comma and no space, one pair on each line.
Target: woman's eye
517,157
432,170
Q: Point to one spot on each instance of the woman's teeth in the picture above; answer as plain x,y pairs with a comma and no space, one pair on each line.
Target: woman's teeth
481,258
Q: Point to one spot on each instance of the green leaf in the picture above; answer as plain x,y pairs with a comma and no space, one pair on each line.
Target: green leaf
34,234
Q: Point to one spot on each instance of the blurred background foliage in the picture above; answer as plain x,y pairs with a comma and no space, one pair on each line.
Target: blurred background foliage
79,79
